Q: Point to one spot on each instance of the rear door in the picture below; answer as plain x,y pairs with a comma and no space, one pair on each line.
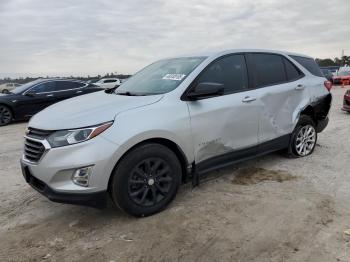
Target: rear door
67,89
282,91
225,125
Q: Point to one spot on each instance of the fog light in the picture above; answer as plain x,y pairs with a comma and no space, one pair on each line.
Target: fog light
81,176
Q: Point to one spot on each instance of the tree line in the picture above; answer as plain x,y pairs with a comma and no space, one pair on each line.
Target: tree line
344,60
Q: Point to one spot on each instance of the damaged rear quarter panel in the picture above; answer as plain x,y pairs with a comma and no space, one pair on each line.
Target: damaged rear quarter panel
283,104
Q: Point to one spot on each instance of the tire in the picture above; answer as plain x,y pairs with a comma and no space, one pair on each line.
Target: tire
5,115
304,138
4,91
139,190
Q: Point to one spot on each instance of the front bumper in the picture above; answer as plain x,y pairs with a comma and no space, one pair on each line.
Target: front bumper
52,174
96,199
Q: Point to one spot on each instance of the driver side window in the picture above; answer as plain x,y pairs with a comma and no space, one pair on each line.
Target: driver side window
44,88
230,71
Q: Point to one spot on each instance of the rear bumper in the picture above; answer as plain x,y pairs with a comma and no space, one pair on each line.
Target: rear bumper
322,108
95,199
322,124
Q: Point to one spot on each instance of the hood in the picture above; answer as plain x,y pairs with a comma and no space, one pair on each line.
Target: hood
88,110
2,95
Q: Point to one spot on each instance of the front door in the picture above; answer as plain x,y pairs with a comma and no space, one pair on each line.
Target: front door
227,125
36,99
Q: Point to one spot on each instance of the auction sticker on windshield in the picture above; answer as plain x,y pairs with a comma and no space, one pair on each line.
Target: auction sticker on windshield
177,77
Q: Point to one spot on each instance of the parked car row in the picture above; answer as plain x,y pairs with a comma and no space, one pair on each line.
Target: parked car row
174,120
342,77
337,75
26,100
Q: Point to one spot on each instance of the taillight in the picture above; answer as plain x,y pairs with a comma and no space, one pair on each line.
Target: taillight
328,85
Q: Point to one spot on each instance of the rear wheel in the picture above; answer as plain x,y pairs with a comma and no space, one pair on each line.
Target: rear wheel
5,91
146,180
304,138
5,115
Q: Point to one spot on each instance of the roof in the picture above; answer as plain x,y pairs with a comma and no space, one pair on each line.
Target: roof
228,51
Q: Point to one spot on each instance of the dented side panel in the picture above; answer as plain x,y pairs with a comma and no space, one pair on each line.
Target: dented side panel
223,124
283,104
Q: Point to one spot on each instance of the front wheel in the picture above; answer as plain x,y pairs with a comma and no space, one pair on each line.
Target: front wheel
146,180
5,115
304,138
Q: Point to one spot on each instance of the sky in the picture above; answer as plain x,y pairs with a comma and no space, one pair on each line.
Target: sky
90,37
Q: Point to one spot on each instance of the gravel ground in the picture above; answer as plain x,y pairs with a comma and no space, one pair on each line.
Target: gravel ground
267,209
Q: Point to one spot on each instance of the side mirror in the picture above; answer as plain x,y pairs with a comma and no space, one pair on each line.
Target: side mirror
30,94
205,89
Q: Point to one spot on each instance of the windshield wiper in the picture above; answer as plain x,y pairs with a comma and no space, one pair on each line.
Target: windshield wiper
127,93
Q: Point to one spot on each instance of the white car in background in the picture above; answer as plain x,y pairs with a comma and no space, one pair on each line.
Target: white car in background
5,88
108,82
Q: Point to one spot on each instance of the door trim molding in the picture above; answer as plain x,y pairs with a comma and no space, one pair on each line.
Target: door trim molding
237,156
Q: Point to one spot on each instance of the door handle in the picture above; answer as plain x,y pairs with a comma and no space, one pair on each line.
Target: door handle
248,99
49,95
300,87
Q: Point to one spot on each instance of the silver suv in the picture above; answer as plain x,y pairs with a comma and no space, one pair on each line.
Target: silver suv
175,120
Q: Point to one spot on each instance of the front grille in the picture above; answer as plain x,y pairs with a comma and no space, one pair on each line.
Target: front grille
38,133
33,150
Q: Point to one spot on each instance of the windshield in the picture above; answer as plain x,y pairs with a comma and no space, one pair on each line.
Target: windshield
24,87
344,73
160,77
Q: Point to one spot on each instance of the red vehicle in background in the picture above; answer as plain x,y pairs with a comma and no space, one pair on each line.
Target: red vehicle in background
342,77
346,104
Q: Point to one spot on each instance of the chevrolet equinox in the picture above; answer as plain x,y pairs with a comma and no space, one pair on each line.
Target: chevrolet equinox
175,119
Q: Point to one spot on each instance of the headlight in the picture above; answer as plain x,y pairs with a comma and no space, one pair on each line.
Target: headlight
74,136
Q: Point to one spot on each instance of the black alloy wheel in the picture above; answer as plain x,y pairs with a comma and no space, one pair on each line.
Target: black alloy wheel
150,181
146,180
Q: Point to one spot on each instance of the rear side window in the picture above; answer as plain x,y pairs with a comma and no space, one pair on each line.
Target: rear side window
230,71
67,85
293,73
309,64
269,69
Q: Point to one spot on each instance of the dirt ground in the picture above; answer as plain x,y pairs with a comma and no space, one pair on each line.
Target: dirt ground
267,209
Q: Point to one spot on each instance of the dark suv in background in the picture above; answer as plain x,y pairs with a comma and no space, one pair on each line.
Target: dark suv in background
28,99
